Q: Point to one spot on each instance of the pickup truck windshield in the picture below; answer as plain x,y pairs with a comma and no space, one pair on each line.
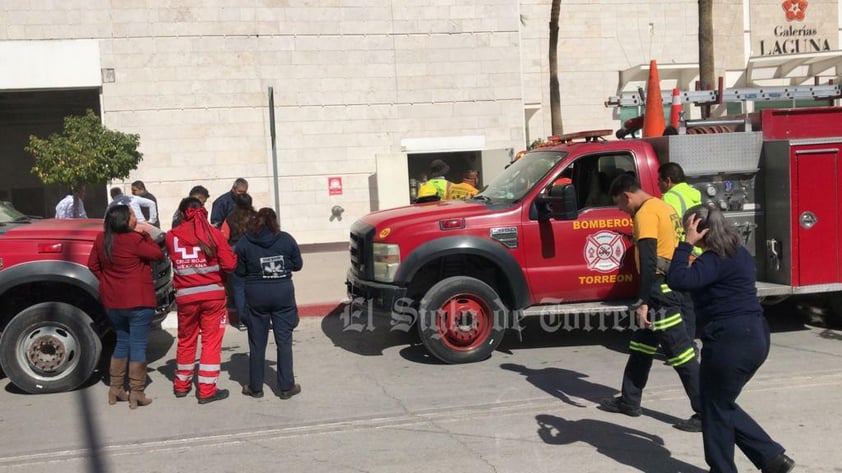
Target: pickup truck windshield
8,214
522,175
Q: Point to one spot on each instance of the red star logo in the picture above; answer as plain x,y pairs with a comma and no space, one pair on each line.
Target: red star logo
794,9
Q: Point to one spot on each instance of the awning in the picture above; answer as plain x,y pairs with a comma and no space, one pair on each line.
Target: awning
760,71
792,69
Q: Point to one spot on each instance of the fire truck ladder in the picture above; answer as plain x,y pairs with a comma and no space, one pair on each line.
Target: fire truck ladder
701,97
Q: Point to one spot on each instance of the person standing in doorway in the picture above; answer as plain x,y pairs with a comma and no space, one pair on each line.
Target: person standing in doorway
467,188
121,260
200,254
438,179
139,190
224,204
658,309
735,339
267,258
72,205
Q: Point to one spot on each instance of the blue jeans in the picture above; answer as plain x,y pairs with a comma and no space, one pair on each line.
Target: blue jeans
132,328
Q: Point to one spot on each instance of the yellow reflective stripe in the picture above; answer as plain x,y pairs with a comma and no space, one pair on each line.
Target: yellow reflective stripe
642,347
665,289
686,356
666,323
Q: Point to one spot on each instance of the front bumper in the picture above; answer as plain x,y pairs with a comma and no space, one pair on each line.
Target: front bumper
382,296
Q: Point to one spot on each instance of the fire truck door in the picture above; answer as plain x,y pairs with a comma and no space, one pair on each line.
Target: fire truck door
816,210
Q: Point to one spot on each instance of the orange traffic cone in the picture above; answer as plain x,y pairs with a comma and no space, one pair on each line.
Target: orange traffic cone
675,110
653,117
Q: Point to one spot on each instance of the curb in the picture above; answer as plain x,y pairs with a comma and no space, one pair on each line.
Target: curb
319,309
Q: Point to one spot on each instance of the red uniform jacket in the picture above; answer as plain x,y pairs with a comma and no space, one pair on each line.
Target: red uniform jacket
198,277
126,282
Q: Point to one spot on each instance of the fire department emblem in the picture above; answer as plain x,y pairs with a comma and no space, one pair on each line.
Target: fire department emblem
794,9
604,251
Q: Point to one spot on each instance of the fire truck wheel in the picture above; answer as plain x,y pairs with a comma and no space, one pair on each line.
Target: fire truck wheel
461,320
49,347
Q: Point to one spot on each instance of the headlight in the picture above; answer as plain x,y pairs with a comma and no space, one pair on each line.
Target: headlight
387,258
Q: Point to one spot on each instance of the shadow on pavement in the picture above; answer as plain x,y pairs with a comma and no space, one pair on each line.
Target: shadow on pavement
539,332
563,384
363,334
634,448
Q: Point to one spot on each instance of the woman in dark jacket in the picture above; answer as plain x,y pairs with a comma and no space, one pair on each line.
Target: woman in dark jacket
267,257
121,260
735,338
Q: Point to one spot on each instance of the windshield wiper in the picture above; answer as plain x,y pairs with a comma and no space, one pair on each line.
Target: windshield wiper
22,218
481,197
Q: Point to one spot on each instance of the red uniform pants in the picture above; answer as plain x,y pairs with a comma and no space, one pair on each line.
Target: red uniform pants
209,319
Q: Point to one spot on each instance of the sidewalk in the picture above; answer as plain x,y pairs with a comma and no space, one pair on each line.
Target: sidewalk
319,286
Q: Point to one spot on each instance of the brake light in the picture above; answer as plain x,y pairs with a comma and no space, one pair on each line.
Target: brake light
50,247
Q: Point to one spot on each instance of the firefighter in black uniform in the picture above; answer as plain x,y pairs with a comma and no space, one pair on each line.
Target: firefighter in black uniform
658,310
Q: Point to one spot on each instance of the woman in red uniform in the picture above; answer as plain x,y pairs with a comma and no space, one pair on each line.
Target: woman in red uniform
199,254
120,260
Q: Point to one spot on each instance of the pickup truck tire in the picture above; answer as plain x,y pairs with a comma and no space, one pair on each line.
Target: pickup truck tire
49,347
461,320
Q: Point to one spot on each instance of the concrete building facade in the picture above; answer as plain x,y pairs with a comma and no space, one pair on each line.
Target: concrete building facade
366,93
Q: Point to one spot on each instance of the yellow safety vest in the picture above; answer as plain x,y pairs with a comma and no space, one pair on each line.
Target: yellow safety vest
441,186
681,197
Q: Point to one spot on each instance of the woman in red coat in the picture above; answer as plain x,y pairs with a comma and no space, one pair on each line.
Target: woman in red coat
121,260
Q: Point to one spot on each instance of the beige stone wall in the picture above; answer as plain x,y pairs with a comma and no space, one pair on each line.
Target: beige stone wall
351,79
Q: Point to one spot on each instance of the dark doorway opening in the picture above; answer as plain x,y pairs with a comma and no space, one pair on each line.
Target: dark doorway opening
459,161
42,112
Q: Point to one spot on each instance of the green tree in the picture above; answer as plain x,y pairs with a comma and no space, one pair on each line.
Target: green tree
85,152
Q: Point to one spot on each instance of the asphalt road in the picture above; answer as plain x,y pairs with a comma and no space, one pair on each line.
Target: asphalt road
376,402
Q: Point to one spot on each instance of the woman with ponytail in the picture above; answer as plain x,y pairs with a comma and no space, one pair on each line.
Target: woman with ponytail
199,254
735,338
121,260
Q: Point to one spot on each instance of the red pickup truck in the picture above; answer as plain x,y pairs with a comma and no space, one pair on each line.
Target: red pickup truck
530,243
51,319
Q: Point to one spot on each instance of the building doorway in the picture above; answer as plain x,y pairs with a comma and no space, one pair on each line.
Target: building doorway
24,113
418,165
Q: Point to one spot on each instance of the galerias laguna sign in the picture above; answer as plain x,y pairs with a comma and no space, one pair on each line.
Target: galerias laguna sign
796,35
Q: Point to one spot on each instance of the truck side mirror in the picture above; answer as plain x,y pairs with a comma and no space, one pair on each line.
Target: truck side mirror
559,203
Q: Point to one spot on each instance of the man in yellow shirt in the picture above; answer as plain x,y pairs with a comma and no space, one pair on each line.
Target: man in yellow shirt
658,309
467,188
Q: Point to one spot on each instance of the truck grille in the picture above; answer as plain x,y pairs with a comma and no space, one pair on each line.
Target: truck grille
362,236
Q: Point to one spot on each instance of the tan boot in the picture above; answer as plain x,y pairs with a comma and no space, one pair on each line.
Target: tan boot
137,384
117,380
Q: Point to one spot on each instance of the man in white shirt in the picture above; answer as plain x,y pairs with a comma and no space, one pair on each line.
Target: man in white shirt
136,203
72,206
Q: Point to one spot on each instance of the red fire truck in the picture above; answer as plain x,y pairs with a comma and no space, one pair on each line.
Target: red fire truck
462,272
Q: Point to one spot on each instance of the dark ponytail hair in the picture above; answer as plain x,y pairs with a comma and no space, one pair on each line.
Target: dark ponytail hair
723,237
265,217
198,221
116,221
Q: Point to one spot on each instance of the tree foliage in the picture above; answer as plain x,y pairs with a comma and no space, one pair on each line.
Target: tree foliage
85,152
